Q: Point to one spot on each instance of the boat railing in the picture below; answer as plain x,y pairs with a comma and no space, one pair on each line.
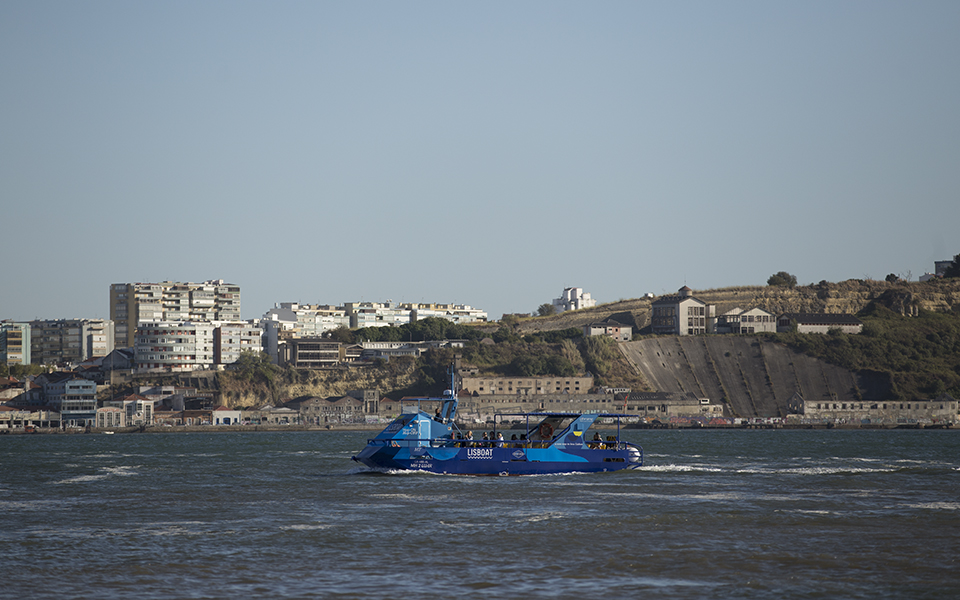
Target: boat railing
460,443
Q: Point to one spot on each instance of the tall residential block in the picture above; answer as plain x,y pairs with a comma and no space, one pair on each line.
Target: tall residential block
135,303
14,343
70,341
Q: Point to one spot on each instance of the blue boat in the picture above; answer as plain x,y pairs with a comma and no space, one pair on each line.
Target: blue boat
545,443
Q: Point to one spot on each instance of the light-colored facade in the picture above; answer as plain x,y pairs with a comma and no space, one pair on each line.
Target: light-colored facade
754,320
137,409
14,343
388,350
941,410
289,320
313,353
682,314
234,338
819,323
74,398
174,346
609,328
110,416
135,303
524,386
225,416
70,341
659,406
573,298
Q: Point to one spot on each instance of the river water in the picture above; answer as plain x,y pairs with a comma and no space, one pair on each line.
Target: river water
713,514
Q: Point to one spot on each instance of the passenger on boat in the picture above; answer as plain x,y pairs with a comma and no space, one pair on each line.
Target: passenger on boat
597,441
499,443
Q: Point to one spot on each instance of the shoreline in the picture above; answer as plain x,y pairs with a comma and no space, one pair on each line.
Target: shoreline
159,429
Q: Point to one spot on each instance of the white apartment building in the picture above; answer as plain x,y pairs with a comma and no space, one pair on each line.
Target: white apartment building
69,341
172,346
458,313
14,343
233,338
288,320
135,303
291,319
573,298
73,397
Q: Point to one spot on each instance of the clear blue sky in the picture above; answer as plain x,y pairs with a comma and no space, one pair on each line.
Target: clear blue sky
486,153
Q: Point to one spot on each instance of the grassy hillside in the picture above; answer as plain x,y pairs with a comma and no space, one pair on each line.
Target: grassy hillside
921,354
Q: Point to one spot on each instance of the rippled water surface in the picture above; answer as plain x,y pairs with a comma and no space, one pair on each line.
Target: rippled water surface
714,514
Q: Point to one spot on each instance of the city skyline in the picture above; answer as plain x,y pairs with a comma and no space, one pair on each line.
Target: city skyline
484,154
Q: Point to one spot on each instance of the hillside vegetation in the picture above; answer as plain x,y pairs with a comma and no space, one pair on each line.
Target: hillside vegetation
910,344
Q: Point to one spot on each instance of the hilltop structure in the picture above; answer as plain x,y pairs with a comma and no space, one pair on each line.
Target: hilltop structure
682,314
573,298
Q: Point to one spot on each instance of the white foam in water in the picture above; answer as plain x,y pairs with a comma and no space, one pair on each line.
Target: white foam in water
313,527
105,472
934,505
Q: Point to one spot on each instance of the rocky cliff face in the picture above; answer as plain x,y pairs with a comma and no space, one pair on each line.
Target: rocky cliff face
321,383
942,295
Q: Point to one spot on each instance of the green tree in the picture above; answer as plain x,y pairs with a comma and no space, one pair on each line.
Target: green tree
545,310
783,279
954,269
255,366
343,335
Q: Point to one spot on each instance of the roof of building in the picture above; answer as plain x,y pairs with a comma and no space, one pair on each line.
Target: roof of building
822,318
608,323
675,299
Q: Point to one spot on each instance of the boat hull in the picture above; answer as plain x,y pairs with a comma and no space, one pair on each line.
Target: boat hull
518,460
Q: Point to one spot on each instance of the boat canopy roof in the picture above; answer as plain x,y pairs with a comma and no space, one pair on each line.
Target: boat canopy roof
564,414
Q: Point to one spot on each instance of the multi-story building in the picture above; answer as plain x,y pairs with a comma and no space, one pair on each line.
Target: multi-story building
573,298
311,353
73,397
290,320
70,341
135,303
137,410
682,314
14,343
458,313
233,338
171,346
524,386
754,320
